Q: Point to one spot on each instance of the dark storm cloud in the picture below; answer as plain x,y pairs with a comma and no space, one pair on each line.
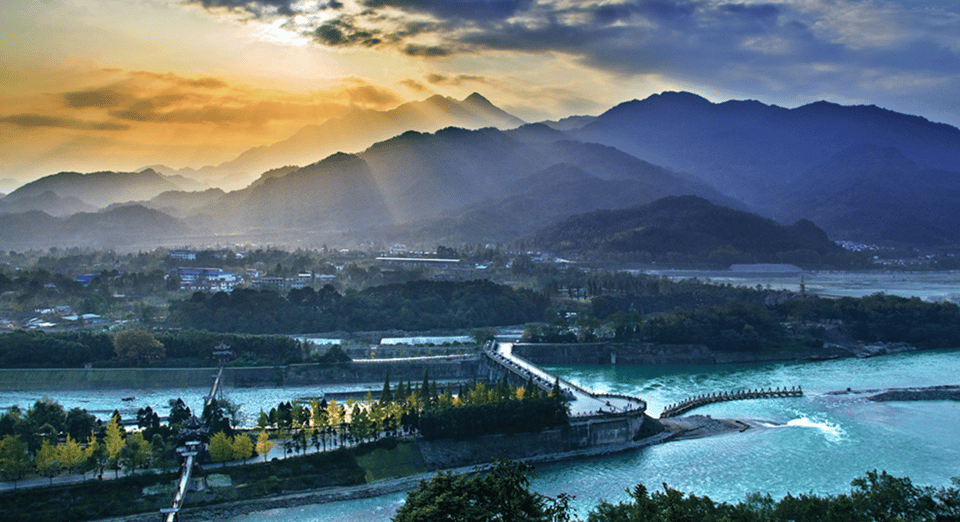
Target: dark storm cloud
36,120
340,33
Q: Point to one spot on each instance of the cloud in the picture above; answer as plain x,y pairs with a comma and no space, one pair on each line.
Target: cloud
141,98
752,46
456,80
256,8
429,51
338,33
38,120
414,85
473,10
103,97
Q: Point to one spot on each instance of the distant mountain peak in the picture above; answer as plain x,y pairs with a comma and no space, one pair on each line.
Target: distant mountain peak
477,98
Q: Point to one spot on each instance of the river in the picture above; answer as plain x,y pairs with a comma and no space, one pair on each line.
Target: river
817,443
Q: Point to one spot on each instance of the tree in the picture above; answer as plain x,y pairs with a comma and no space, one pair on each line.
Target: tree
242,447
264,444
47,462
179,413
95,455
136,453
161,449
502,494
138,348
386,396
883,497
114,442
216,416
220,448
71,455
263,420
50,412
79,424
14,459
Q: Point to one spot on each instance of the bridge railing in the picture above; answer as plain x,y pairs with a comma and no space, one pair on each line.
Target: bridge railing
690,403
521,367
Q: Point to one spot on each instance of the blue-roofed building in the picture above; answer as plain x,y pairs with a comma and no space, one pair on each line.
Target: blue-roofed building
215,279
86,279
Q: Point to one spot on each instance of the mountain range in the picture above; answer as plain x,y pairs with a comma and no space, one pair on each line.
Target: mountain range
858,172
353,132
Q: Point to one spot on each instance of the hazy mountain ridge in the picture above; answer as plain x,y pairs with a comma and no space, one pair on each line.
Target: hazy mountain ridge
486,184
475,185
98,189
688,226
127,225
877,194
358,130
48,202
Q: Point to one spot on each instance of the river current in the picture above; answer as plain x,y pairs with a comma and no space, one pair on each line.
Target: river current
817,443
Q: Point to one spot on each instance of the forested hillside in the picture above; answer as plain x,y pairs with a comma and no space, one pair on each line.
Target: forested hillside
417,305
689,229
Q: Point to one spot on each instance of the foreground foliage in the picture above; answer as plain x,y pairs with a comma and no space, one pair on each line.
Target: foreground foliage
503,494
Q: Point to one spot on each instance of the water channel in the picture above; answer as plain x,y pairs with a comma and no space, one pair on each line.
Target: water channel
817,443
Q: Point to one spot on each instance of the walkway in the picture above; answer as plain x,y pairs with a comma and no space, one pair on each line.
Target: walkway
191,449
702,400
583,403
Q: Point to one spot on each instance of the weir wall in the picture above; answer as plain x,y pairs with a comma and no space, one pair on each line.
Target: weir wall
580,434
359,372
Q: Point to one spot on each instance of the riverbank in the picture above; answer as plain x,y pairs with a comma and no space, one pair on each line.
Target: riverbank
695,426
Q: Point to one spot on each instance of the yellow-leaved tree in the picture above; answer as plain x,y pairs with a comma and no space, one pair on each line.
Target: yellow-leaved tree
264,444
242,447
115,443
71,455
47,461
220,448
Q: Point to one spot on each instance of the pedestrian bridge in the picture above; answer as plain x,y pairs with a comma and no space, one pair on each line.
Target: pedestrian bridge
582,402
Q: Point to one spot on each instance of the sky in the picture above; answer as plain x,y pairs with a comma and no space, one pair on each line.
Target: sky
90,85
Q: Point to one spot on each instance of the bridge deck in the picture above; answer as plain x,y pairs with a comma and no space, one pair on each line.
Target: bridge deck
170,514
583,402
702,400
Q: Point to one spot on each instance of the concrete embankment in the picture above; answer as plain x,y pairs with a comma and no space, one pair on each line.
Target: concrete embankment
366,371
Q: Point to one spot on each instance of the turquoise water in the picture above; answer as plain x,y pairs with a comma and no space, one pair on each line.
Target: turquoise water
817,443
